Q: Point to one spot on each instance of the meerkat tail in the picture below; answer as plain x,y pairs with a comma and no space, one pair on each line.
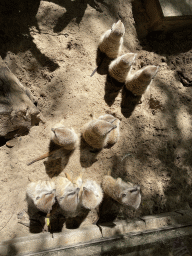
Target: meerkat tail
41,157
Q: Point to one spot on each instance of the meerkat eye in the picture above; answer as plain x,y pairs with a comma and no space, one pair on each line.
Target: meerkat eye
123,195
133,190
38,197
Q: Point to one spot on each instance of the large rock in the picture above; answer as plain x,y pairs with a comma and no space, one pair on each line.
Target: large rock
17,110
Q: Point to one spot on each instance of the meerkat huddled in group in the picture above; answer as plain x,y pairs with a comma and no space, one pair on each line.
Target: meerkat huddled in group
90,194
102,132
119,68
138,82
41,195
124,193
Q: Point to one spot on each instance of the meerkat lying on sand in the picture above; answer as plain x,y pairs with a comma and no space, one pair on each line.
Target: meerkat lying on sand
62,136
139,81
122,192
119,68
101,132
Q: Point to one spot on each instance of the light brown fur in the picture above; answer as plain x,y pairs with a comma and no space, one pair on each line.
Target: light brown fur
95,133
90,195
111,41
65,137
122,192
139,81
119,68
67,196
41,194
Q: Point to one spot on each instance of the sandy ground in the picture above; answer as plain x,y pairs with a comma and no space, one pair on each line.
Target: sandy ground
51,47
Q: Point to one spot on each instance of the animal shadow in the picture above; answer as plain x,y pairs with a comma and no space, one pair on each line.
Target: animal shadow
129,102
75,10
57,162
102,62
88,155
56,223
109,209
36,218
112,88
73,223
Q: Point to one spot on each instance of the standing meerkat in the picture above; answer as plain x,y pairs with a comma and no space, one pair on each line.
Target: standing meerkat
42,195
96,132
119,68
67,195
111,42
140,81
122,192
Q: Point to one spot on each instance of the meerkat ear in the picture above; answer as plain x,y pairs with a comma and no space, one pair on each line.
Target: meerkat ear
119,181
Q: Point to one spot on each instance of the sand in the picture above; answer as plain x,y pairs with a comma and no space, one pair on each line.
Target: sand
51,46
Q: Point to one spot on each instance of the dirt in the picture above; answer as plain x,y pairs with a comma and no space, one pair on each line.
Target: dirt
51,46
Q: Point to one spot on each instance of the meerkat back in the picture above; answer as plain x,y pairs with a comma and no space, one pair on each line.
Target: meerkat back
42,194
65,137
119,68
92,195
95,133
111,41
139,81
67,195
122,192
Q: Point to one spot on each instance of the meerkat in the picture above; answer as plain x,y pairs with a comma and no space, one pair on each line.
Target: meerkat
62,136
65,137
90,195
140,81
122,192
67,195
113,136
119,68
96,132
111,42
42,195
109,118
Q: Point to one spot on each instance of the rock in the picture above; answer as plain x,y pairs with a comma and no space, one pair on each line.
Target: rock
17,110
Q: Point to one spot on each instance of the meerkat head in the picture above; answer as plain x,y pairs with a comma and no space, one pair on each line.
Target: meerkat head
92,195
149,72
130,194
70,199
128,59
118,29
109,118
102,128
45,196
